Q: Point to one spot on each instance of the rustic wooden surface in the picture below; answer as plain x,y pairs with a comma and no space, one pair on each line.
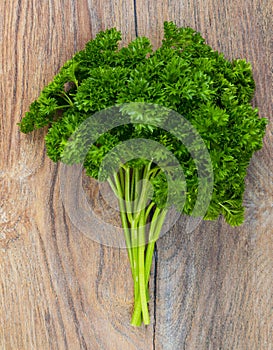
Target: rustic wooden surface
213,288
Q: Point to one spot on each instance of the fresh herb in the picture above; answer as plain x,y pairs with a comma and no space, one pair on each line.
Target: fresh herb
184,75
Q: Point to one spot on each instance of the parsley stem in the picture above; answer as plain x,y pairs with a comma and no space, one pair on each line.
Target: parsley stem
150,207
134,239
127,194
67,98
62,107
121,177
133,195
141,270
118,191
155,229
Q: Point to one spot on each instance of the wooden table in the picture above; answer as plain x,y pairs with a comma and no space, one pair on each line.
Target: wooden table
212,288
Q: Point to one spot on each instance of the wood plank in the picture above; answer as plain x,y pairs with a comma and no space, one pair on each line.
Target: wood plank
58,289
215,285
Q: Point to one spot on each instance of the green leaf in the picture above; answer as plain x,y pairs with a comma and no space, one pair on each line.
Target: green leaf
184,74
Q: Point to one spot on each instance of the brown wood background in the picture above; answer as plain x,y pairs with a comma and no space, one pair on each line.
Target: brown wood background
213,288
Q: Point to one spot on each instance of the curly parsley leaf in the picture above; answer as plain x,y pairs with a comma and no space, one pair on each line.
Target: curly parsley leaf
185,75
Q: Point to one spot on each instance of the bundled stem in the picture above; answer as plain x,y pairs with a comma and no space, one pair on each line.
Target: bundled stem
142,222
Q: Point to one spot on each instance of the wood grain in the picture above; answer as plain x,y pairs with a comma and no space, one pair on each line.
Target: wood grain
213,287
58,289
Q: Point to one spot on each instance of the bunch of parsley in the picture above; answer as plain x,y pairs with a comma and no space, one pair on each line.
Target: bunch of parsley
184,75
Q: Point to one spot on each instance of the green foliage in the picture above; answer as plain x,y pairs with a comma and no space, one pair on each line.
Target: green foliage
185,75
